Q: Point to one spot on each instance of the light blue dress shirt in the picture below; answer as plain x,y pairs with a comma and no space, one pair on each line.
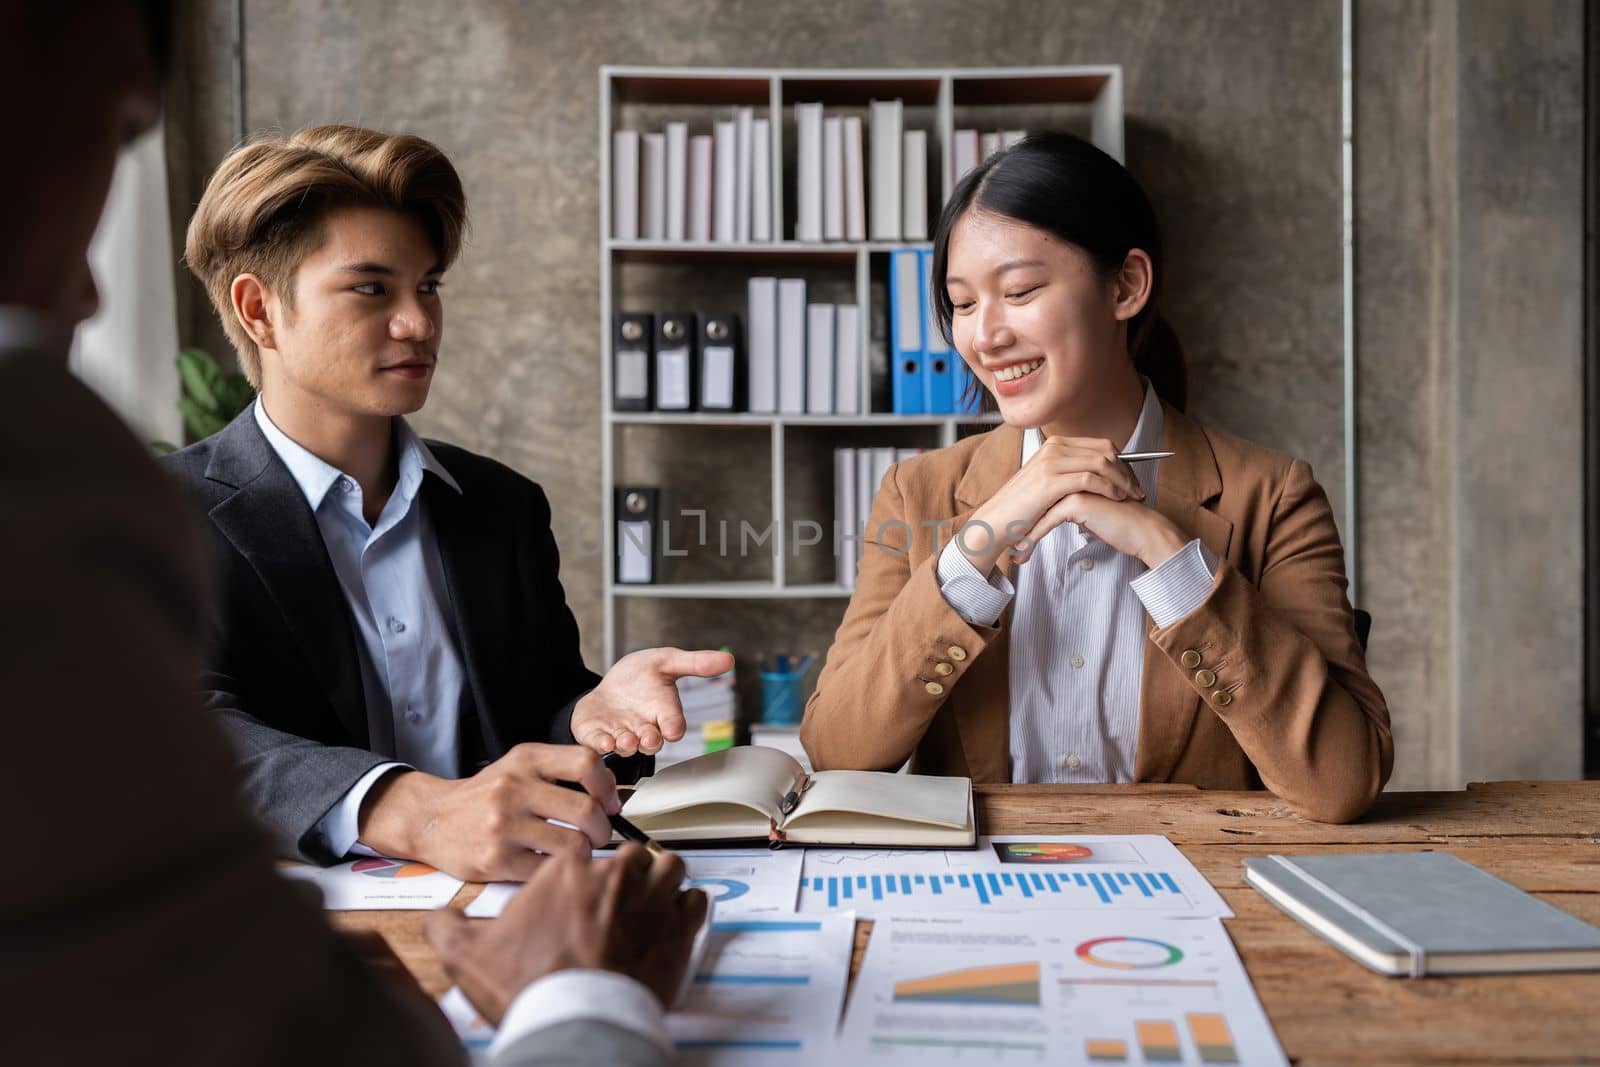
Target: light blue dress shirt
393,580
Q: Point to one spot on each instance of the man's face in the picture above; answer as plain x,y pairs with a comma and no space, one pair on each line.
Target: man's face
82,85
363,335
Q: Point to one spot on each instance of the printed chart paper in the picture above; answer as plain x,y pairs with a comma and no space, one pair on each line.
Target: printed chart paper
767,990
763,991
1139,874
376,884
738,881
1071,989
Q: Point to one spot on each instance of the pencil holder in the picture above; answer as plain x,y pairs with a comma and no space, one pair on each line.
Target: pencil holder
780,697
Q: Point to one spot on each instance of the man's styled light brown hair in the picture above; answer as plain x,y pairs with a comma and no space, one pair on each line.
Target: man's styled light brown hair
263,209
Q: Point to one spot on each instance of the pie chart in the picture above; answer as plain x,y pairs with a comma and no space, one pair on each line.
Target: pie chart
383,868
720,888
1129,953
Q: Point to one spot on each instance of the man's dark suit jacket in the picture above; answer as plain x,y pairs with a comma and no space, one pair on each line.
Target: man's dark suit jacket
283,672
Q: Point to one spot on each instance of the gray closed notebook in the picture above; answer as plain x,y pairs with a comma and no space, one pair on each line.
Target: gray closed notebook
1417,913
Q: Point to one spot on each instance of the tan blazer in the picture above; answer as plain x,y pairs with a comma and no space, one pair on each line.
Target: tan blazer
1291,705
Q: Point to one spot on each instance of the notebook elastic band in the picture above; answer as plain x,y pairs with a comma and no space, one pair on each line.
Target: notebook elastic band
1418,957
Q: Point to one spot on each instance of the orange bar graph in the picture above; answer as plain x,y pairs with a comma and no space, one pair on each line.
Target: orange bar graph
1158,1039
1106,1050
1212,1036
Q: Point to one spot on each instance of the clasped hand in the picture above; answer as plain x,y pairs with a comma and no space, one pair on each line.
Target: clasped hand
1071,479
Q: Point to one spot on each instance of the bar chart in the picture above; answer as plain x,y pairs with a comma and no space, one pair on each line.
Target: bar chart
1155,890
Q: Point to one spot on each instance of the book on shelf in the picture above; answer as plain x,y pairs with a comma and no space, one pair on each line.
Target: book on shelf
905,333
761,344
761,180
724,184
847,360
888,116
808,172
832,178
700,175
653,188
760,793
819,359
914,185
625,184
847,516
988,144
791,346
855,206
744,129
963,154
677,137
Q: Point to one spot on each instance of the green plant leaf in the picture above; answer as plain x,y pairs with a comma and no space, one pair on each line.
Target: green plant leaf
198,370
200,422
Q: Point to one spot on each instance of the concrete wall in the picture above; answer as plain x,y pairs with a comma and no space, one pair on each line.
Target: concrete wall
1469,172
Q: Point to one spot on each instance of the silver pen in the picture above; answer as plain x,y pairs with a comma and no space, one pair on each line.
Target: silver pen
1139,457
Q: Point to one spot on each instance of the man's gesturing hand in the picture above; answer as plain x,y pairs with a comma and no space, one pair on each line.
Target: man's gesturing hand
625,914
494,825
635,708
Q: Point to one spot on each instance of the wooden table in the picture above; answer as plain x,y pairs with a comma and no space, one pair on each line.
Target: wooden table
1543,837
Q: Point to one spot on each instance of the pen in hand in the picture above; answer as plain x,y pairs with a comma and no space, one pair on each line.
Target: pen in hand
1140,457
621,825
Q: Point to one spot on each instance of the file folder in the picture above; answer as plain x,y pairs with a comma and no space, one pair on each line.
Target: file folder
632,342
937,377
905,334
638,554
722,385
761,315
675,361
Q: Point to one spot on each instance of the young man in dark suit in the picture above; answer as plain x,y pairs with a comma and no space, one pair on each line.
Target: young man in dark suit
150,927
394,657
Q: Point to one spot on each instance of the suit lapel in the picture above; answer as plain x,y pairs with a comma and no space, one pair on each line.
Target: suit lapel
270,524
479,565
1168,703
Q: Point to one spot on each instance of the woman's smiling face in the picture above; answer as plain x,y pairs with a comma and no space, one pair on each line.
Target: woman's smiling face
1041,326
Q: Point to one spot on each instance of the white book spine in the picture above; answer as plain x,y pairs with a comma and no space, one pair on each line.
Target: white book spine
864,489
744,122
882,460
792,346
625,185
653,212
988,144
761,344
914,195
761,180
819,359
855,204
700,187
832,179
963,154
885,174
725,187
1011,137
808,172
847,360
677,179
844,511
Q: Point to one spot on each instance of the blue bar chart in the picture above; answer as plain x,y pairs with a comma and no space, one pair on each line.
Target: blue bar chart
1010,890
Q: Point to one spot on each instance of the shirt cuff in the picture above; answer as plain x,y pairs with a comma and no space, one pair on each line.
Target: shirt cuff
1179,585
964,589
575,995
340,827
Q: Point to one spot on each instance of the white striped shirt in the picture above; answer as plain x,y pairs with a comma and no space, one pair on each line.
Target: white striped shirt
1078,632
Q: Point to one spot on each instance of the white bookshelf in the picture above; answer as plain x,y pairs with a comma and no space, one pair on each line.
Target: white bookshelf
1093,92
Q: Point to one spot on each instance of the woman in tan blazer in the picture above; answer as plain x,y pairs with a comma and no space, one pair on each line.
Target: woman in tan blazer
1030,607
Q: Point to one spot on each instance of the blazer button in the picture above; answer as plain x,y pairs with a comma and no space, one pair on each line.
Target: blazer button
1190,659
1205,679
956,652
934,689
1222,698
942,669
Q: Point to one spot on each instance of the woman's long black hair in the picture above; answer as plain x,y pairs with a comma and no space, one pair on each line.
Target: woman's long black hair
1066,186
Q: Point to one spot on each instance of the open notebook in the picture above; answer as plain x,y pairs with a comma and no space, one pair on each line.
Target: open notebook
758,792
